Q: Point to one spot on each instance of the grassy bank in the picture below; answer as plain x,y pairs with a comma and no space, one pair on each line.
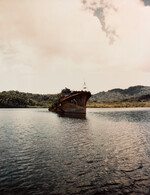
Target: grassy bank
117,104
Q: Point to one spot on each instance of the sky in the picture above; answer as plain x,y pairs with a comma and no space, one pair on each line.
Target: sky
47,45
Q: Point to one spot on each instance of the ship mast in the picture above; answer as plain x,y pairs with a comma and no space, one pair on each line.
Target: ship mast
84,86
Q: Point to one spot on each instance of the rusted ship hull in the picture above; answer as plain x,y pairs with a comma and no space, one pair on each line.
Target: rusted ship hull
69,109
74,103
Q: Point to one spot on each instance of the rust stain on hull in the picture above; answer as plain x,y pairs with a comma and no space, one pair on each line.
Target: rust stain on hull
71,102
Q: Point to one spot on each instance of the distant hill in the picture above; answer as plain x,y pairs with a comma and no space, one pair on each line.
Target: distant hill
121,94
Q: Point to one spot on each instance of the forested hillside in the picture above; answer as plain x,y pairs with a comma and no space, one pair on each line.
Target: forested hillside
16,99
121,94
136,96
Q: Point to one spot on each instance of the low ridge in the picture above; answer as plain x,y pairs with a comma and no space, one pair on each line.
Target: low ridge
121,94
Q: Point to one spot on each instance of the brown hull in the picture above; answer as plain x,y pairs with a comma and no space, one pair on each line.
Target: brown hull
75,103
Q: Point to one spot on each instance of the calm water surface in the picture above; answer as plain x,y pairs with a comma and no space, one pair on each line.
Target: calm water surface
106,153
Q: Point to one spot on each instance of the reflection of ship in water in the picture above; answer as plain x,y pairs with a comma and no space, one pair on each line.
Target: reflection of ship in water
71,102
72,115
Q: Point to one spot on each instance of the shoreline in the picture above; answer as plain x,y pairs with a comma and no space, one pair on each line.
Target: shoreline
99,105
118,104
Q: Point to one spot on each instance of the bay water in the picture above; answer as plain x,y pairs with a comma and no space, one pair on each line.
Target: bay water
107,152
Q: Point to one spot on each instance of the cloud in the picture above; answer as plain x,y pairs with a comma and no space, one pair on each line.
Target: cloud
146,2
100,9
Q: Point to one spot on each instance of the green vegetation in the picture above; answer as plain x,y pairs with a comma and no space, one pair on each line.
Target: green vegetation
142,101
16,99
118,104
136,96
121,94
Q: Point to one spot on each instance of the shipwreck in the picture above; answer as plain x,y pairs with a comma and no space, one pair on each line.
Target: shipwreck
71,102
